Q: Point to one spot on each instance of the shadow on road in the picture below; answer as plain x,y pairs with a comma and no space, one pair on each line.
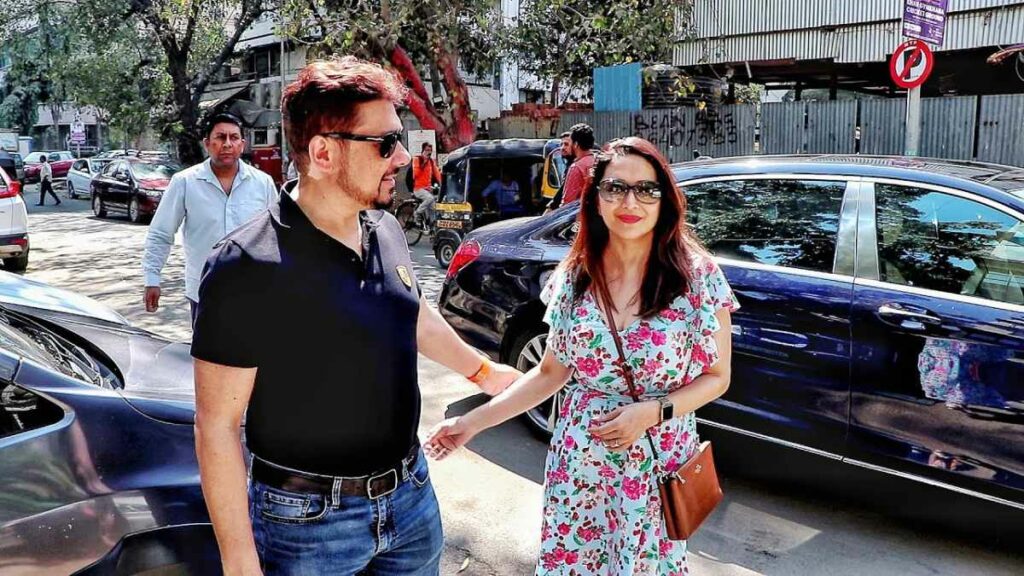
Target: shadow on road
510,445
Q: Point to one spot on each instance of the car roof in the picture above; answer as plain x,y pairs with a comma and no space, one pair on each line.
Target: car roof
508,148
994,181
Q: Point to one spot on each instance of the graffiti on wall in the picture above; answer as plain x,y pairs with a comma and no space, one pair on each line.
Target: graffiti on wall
686,127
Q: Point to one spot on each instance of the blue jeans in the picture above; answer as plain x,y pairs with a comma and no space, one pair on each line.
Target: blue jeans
314,534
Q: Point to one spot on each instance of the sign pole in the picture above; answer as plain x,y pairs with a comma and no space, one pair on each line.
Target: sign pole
912,144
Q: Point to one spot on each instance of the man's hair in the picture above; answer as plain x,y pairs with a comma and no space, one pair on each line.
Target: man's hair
566,134
426,145
324,97
221,118
43,158
582,135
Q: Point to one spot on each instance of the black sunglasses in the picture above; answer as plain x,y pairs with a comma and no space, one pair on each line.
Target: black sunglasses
388,142
614,190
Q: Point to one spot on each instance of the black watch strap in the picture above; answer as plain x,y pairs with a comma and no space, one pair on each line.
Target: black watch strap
667,409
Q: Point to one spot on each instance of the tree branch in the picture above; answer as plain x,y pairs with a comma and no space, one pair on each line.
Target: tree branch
245,19
193,17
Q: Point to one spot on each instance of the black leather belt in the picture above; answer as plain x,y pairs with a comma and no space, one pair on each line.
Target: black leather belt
372,486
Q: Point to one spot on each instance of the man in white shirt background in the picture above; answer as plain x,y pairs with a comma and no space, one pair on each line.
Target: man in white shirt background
208,201
46,181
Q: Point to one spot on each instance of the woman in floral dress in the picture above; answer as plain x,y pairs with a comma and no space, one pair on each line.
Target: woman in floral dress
671,305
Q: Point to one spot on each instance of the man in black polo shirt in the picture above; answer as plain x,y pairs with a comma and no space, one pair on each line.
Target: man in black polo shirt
310,318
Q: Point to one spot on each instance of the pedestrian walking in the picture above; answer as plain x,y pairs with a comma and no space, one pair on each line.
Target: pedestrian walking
421,178
46,181
309,323
669,304
207,201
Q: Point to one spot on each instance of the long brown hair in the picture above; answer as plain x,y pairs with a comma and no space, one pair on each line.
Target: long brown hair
668,274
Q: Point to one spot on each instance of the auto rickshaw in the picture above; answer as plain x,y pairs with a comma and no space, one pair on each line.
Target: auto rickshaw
536,165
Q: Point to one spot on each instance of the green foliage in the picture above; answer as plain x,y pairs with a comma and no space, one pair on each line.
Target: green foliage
469,29
564,40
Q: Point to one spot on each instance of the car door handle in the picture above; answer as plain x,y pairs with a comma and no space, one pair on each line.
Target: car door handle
909,319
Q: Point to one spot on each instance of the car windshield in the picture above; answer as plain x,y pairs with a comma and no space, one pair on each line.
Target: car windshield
29,339
154,170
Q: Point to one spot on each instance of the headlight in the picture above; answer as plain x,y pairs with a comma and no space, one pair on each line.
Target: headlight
152,192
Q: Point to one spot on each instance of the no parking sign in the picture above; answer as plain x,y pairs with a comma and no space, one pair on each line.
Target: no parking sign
911,64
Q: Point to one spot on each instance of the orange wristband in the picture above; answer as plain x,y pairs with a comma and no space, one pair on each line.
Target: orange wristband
482,373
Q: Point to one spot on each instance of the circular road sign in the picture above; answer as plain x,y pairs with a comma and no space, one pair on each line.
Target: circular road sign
911,64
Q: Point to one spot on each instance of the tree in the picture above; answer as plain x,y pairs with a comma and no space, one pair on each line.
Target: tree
36,38
437,37
564,40
195,39
123,80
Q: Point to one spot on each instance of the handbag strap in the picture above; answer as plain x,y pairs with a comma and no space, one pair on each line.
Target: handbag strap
627,372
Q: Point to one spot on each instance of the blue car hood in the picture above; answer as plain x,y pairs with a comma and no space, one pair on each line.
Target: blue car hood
21,292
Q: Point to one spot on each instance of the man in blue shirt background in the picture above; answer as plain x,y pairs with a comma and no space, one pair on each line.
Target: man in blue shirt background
506,190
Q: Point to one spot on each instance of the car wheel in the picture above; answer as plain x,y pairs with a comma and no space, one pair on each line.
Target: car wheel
135,211
444,251
71,190
527,352
98,207
19,264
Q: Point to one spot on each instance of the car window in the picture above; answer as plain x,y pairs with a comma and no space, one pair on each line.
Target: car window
558,166
792,223
79,166
109,169
24,411
944,242
152,170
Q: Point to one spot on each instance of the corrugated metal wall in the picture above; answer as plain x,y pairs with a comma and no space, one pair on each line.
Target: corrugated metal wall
883,126
866,42
831,126
736,17
782,128
950,128
1001,129
947,127
678,132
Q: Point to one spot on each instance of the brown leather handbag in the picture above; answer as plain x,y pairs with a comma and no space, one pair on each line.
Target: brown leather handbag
689,495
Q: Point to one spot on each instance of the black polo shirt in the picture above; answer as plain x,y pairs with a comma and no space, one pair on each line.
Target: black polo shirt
332,334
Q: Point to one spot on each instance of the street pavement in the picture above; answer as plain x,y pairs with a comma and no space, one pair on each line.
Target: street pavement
490,493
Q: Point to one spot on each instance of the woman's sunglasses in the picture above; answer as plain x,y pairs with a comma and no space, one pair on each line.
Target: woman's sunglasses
388,142
614,190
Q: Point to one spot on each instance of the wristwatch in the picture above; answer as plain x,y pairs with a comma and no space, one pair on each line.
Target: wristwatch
668,410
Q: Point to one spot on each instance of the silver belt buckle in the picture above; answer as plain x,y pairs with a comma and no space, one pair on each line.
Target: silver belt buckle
369,484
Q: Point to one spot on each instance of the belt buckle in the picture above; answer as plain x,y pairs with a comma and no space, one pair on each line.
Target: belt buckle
394,485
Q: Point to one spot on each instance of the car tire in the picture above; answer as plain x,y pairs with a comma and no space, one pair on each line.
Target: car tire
19,264
71,190
135,211
98,207
526,352
444,251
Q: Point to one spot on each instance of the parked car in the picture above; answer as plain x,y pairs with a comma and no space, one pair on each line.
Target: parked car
60,163
96,442
81,174
13,165
13,225
131,186
882,319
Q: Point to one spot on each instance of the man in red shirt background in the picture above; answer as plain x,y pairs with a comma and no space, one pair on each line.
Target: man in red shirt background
581,146
423,174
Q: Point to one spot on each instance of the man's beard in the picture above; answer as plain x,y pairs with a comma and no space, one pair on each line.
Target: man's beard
377,200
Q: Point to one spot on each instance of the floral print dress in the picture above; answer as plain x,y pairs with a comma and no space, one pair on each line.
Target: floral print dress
602,511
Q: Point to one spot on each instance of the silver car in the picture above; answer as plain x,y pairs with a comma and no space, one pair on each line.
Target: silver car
81,173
